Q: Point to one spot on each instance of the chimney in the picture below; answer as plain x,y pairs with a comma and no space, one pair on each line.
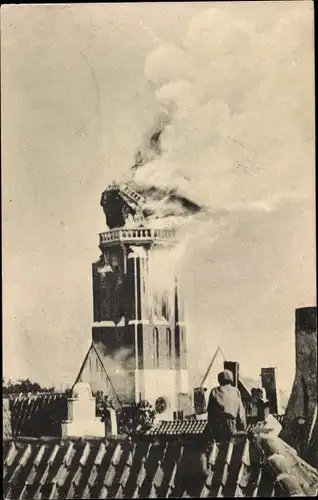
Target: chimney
200,400
259,405
302,403
233,366
269,384
306,320
81,420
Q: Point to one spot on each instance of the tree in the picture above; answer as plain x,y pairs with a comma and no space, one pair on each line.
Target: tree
135,418
102,404
131,419
23,386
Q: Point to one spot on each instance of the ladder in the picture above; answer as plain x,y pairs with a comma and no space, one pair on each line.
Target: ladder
130,195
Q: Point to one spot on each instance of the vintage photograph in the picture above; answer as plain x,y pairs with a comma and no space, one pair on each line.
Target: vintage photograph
159,250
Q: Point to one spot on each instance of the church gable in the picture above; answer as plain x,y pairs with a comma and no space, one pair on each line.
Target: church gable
93,372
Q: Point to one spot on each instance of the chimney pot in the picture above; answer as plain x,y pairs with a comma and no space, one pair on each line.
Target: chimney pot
269,383
306,319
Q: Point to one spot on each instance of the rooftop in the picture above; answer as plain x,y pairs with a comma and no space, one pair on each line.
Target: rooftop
248,465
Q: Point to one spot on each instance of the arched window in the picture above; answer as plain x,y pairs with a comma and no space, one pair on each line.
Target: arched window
156,347
169,347
165,306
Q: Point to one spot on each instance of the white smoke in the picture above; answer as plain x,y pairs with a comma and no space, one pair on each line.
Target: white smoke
123,358
117,366
239,92
239,98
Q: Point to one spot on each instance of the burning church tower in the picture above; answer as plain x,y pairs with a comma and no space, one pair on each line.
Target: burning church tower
139,343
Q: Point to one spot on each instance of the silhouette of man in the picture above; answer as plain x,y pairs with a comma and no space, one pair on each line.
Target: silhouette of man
226,412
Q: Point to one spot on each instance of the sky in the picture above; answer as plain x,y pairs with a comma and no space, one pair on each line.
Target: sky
81,87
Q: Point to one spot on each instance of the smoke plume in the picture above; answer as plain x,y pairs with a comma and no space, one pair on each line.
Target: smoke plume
233,128
235,139
117,365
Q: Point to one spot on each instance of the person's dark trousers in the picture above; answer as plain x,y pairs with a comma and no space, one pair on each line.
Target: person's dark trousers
219,430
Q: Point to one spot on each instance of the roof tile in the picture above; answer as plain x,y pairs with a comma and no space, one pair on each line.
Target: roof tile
192,426
123,468
100,455
87,492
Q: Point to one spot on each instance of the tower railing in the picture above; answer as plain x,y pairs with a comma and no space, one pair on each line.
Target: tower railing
136,234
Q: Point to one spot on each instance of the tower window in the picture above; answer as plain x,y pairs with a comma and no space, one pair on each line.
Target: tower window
156,347
165,306
169,347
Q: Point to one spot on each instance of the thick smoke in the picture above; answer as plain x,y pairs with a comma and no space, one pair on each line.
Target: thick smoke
151,145
236,122
239,95
117,365
163,202
237,135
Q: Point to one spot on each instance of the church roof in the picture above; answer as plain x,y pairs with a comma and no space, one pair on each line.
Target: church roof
120,468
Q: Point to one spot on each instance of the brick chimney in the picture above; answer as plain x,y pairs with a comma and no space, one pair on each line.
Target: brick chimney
302,403
269,384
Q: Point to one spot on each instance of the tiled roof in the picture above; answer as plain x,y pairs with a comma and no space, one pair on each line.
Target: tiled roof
41,415
37,414
295,476
193,427
177,427
99,468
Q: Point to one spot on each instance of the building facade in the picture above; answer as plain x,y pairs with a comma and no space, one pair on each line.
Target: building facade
139,340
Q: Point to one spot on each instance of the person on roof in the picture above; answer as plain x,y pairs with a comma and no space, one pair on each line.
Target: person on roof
226,412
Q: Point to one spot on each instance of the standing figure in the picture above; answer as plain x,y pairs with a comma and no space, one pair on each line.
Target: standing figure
226,413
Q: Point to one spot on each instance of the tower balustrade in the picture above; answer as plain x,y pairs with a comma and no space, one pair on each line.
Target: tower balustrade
143,235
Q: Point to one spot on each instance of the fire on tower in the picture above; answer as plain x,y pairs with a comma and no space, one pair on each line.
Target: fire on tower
138,349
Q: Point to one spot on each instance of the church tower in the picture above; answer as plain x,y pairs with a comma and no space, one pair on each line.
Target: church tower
139,332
